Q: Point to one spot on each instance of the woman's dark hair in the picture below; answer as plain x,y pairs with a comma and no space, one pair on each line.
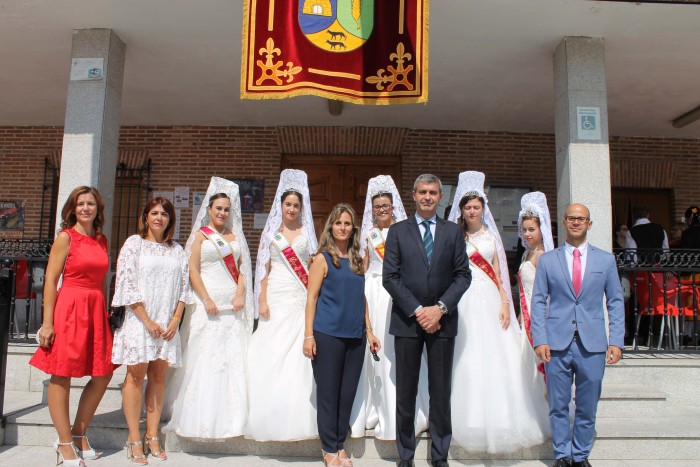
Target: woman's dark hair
618,227
168,208
462,202
693,213
68,218
217,196
327,242
532,217
384,193
292,192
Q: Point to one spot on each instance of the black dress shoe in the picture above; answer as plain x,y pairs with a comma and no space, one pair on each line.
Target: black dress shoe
405,464
440,464
582,463
562,462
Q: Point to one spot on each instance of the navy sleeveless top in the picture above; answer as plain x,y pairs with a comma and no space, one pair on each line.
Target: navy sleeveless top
340,310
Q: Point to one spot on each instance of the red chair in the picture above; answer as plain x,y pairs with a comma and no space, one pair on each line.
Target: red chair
655,306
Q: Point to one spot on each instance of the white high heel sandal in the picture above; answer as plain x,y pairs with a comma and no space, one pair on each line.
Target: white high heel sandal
78,462
90,453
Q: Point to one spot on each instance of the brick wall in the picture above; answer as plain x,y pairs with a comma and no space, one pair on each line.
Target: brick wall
189,156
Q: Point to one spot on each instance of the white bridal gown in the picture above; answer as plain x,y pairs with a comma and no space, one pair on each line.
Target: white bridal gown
498,401
281,389
209,393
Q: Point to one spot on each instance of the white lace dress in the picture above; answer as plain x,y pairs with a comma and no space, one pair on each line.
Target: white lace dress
208,394
281,389
155,274
375,401
498,402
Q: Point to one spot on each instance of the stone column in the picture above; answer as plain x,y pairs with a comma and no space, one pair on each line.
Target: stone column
93,113
581,134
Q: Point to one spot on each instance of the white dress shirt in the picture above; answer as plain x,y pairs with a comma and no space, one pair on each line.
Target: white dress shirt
432,220
583,248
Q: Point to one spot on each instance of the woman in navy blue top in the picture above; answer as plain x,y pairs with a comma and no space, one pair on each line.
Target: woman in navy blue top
337,324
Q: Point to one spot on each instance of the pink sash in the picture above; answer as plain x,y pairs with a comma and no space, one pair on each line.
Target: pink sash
224,250
527,325
485,266
293,262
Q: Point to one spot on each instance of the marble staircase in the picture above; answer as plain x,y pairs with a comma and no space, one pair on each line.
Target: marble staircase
649,410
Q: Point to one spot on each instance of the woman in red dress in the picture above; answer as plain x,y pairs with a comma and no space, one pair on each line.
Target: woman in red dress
75,338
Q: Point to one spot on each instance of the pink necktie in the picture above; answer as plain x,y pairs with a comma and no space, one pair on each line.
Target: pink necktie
576,274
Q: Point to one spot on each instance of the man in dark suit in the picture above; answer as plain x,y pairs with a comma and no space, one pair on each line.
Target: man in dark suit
572,285
426,272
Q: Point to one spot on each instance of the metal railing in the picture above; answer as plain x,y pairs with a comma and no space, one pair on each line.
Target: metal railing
27,258
662,298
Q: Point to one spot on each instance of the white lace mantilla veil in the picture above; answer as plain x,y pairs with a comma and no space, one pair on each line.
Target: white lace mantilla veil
472,183
295,180
535,204
381,184
235,224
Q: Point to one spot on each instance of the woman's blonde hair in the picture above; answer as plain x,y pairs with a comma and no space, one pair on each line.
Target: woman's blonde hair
327,242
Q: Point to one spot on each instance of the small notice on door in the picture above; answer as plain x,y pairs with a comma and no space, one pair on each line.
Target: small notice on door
588,123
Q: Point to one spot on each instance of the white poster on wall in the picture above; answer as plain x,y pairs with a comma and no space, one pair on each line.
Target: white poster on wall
182,197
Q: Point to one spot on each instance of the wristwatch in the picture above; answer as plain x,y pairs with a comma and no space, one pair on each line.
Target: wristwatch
443,308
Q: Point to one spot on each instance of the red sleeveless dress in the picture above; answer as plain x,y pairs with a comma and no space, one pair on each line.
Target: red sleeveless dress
83,339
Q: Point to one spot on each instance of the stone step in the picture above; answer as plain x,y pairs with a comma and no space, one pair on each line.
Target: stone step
33,456
112,398
631,400
674,436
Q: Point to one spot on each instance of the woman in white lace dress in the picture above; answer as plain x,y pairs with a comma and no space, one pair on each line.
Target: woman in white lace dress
280,379
153,283
535,230
208,393
498,404
375,401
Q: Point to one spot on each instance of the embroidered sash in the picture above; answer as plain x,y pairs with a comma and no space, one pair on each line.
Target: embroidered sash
291,259
485,266
224,249
377,241
527,324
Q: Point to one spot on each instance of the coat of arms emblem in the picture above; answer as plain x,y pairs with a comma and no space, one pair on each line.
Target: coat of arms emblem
337,25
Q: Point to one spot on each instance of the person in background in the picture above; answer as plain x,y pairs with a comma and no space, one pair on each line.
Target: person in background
690,238
677,234
75,338
153,282
620,237
645,234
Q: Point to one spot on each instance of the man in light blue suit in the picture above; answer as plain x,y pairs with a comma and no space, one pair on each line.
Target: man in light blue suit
572,284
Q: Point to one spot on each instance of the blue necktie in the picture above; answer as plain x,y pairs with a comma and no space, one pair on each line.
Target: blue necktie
428,240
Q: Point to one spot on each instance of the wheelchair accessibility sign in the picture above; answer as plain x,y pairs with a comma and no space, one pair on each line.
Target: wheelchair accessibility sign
588,120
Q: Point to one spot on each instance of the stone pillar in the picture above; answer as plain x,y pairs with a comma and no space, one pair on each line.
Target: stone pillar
93,112
581,134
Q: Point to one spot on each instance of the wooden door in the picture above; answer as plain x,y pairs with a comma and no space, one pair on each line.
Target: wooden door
657,200
341,179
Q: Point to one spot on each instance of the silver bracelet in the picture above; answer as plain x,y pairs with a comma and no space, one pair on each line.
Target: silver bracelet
307,338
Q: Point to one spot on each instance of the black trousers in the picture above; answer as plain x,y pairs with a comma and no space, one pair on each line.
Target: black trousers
337,367
440,357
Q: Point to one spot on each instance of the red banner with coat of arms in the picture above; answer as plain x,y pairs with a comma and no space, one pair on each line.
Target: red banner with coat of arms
359,51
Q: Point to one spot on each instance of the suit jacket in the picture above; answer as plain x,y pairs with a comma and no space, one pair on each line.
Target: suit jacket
412,282
554,323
